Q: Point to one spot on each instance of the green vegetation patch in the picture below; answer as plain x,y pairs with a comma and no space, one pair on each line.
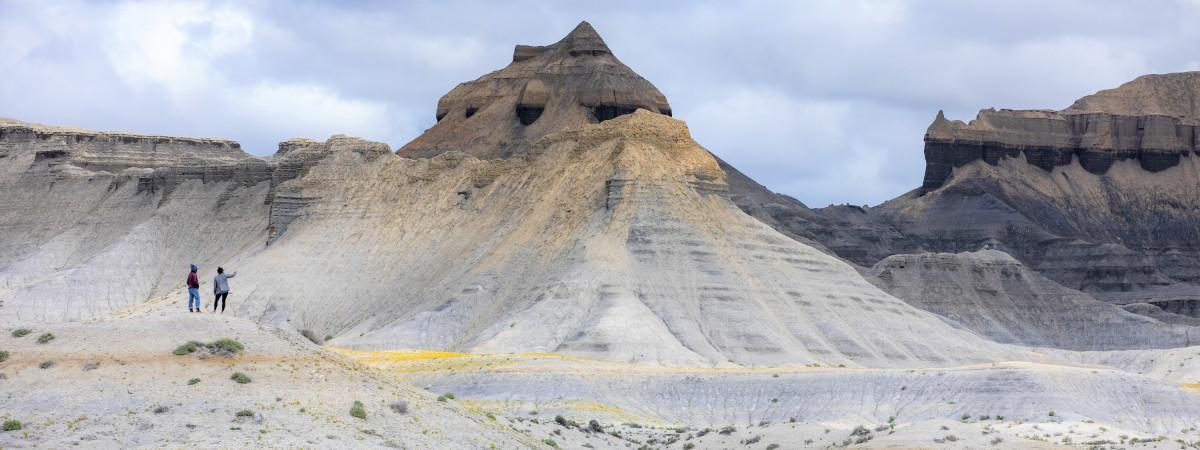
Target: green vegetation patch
12,424
357,410
244,413
47,337
186,348
239,377
228,345
193,381
21,332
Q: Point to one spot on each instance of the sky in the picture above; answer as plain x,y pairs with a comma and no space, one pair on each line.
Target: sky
825,101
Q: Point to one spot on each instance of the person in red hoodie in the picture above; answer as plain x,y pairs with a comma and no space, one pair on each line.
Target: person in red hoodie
193,291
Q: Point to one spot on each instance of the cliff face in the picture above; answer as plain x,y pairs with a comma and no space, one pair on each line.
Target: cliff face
94,221
1097,197
1153,120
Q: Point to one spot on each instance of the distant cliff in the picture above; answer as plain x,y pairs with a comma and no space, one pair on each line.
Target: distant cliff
1152,120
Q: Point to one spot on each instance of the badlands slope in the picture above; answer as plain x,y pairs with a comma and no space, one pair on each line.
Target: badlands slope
556,244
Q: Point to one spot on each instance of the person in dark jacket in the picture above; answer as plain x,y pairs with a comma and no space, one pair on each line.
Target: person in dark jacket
193,284
221,288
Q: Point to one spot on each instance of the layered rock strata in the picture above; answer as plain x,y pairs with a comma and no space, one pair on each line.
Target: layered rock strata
544,90
1094,197
614,241
94,221
1152,120
996,296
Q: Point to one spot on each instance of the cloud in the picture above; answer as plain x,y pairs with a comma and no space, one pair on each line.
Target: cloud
823,100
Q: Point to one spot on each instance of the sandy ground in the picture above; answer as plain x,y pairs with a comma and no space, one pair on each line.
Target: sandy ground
116,384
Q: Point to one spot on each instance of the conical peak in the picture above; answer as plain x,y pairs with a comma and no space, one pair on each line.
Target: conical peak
584,40
546,89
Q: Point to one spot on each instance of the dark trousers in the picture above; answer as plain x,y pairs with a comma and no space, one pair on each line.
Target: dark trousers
220,299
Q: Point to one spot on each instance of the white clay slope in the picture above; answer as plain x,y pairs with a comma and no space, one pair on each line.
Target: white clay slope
610,241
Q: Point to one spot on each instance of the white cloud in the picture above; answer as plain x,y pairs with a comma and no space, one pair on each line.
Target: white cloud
174,44
824,100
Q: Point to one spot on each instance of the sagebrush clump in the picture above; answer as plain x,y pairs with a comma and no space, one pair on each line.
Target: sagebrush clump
44,338
399,406
244,413
357,410
188,347
239,377
228,345
12,424
21,332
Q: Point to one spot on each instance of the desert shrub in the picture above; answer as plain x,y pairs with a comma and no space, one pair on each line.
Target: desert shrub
491,416
45,337
12,424
753,440
985,417
193,381
357,410
997,441
21,332
550,442
689,446
329,337
891,419
239,377
999,417
559,419
791,420
228,345
772,446
449,395
966,416
727,430
1051,414
399,406
91,366
595,426
441,398
3,355
881,427
951,437
312,336
46,364
188,347
244,413
860,430
160,409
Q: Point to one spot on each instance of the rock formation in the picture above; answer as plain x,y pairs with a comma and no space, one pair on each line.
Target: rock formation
992,294
612,241
1153,120
545,90
1094,197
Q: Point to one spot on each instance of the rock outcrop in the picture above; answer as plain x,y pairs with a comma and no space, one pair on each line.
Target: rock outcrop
1153,120
1095,197
94,222
544,90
